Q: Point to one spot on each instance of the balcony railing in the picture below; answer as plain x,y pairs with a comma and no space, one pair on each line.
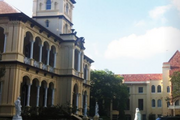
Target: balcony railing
44,67
173,107
51,69
27,61
36,64
76,73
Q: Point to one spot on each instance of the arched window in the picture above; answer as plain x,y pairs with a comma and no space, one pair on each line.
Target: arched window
66,28
153,89
48,4
168,89
40,6
67,8
153,103
177,103
55,5
159,103
158,88
47,23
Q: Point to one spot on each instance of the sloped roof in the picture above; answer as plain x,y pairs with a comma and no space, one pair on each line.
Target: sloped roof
141,77
175,62
5,8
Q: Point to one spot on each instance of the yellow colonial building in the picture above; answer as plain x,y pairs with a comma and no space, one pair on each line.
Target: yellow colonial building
43,58
148,92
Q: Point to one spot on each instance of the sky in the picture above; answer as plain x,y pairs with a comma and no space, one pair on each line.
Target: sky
125,36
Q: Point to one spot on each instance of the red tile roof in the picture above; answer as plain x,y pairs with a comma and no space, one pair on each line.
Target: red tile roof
174,63
5,8
141,77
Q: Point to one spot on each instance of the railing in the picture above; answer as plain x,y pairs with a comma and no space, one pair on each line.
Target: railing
36,64
44,67
51,69
27,61
173,107
76,73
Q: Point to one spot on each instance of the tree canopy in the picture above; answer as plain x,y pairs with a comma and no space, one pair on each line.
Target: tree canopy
175,79
107,87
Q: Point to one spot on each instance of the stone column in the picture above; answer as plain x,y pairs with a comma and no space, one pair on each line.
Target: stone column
5,41
79,62
40,53
48,52
45,97
28,95
32,46
87,74
77,102
54,60
52,104
37,100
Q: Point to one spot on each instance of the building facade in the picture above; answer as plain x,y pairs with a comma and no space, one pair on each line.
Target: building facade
149,92
43,58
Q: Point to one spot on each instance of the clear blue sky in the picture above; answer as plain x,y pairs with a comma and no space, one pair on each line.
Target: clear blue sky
125,36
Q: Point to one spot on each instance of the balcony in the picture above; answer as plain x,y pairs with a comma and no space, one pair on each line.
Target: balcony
38,64
27,61
173,107
44,67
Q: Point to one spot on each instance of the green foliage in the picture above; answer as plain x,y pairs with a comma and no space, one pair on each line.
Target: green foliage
107,86
48,113
175,79
2,72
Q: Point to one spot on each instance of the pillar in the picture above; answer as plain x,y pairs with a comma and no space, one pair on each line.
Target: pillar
48,52
54,60
37,100
45,97
28,95
79,62
52,104
32,46
77,102
5,41
40,53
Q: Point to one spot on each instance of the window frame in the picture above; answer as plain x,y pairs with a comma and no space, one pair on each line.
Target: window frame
153,102
140,89
159,103
159,89
153,90
48,5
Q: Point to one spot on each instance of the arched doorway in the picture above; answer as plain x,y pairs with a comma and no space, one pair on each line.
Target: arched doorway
43,94
50,98
27,45
75,97
34,90
45,53
24,92
52,56
84,100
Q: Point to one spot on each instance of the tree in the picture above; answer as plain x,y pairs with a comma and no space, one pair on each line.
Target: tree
175,80
107,87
